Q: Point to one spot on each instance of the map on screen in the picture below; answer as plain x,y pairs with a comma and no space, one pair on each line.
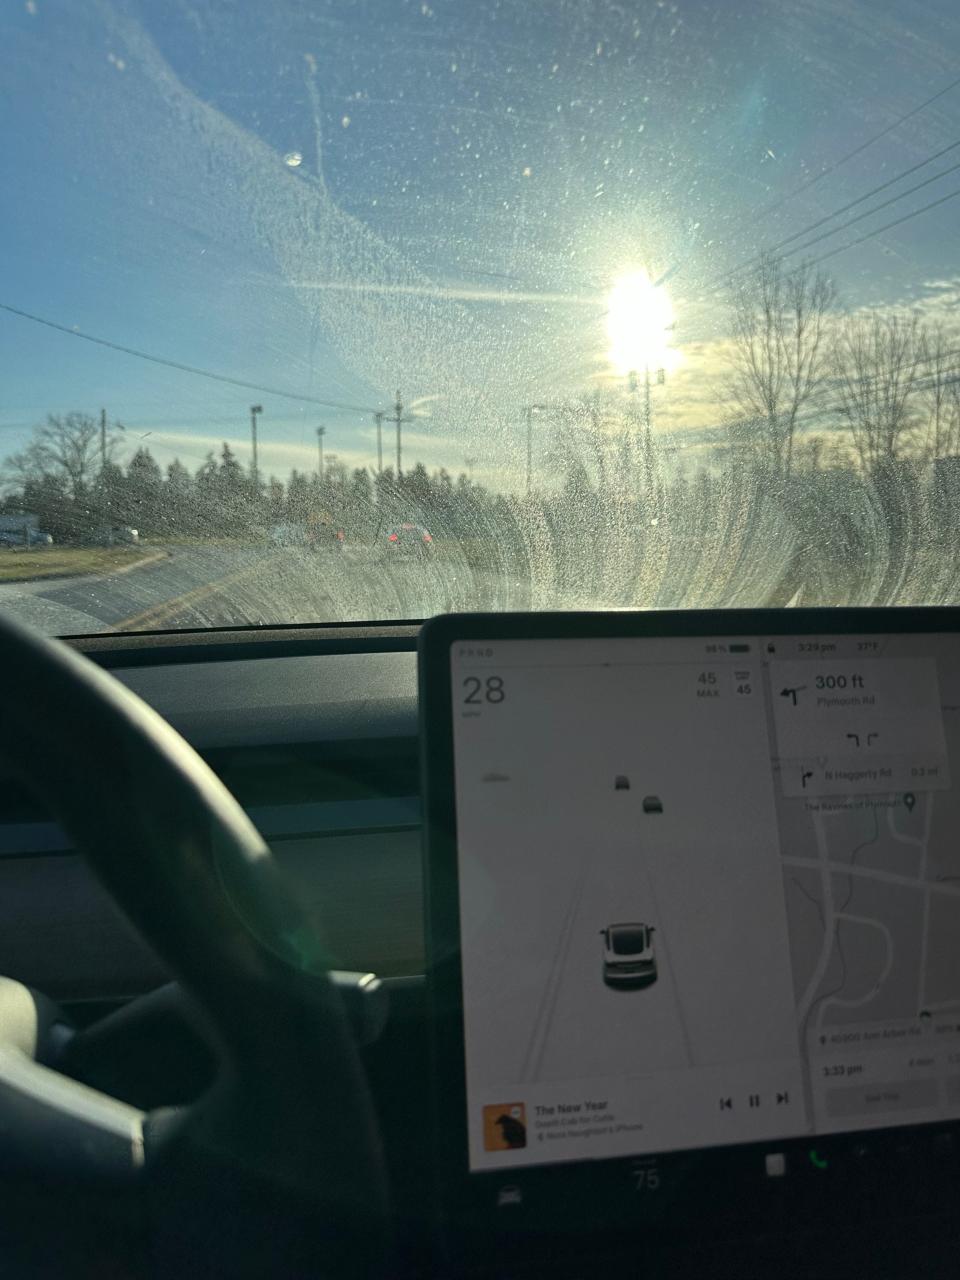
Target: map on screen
709,890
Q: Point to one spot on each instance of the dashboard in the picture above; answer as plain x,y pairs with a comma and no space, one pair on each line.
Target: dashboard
321,749
318,737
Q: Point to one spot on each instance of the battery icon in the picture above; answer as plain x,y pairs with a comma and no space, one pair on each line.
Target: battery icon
739,648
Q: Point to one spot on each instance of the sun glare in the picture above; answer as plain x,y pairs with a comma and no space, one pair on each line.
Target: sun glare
639,320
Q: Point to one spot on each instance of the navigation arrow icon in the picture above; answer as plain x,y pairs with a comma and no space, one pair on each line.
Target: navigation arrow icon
792,693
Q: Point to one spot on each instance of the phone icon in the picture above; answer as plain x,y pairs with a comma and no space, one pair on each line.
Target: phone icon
818,1161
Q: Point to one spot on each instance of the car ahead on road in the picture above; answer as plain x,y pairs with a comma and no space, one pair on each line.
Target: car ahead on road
408,541
628,959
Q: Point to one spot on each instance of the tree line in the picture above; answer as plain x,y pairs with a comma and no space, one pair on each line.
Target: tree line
69,477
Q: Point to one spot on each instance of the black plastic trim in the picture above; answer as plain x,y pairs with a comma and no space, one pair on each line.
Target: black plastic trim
116,650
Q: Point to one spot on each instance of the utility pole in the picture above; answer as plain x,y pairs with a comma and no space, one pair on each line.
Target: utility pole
321,432
254,470
378,419
399,419
104,498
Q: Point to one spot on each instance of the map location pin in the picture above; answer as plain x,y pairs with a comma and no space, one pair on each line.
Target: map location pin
909,800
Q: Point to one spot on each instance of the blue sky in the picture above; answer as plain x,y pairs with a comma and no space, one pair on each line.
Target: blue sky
449,151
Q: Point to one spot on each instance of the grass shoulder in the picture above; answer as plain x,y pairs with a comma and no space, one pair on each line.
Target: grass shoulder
66,562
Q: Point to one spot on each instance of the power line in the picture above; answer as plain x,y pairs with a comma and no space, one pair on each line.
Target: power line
852,204
832,168
887,226
850,155
868,213
866,196
554,369
182,368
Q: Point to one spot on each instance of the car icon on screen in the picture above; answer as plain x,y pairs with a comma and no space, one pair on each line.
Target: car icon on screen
628,958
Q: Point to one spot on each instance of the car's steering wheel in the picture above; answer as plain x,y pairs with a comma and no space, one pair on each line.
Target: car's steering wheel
277,1169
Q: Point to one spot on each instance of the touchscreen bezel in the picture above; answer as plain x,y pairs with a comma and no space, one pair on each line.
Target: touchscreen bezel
453,1177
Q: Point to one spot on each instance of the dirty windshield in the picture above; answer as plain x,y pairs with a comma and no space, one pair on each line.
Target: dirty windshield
342,311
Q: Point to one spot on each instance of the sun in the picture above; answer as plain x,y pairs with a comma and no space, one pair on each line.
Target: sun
639,320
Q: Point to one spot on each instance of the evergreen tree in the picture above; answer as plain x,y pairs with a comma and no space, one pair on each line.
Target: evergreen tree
207,495
275,500
233,493
178,505
142,492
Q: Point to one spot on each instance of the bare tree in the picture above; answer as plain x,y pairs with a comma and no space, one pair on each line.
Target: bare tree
779,322
939,392
69,450
876,366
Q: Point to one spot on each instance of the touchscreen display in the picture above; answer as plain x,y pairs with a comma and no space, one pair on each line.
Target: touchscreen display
709,890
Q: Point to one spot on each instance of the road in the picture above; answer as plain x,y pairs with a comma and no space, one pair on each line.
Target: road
211,586
258,585
551,852
584,1021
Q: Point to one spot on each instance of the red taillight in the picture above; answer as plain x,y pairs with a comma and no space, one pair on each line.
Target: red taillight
393,537
427,538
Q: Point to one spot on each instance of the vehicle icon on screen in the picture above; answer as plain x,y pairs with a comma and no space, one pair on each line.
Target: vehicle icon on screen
652,804
628,958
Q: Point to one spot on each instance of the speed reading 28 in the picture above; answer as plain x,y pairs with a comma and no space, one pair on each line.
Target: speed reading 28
477,691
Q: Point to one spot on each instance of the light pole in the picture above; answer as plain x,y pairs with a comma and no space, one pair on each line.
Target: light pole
530,411
398,410
254,470
321,432
633,385
378,419
639,318
399,419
